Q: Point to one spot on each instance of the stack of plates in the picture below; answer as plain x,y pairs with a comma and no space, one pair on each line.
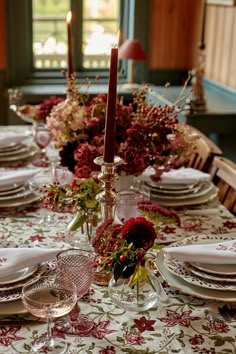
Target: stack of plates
16,152
177,195
16,195
208,281
11,288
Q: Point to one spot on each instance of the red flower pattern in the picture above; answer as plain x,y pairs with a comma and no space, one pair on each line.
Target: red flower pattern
36,238
100,329
174,318
108,350
168,230
229,224
134,338
144,325
8,335
196,339
219,326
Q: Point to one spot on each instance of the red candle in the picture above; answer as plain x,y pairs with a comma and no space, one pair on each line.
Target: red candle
70,64
110,128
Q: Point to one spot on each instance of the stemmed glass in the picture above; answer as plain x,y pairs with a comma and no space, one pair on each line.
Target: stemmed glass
37,185
49,297
79,267
42,137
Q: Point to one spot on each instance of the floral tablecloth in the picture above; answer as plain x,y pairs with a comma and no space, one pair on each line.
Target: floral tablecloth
184,324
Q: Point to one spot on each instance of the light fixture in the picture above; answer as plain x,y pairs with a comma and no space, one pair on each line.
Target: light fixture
131,50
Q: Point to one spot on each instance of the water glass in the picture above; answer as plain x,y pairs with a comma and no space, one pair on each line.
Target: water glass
127,204
79,267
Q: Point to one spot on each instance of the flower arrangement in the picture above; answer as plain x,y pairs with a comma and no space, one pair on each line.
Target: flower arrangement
80,196
136,237
146,135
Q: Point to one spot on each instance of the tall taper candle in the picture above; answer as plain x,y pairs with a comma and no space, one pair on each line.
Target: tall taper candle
69,58
202,39
110,127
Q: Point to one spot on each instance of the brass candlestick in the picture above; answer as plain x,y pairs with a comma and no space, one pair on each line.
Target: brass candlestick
108,196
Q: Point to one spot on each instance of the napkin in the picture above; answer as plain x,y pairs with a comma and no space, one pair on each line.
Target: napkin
17,176
184,175
214,253
8,138
13,259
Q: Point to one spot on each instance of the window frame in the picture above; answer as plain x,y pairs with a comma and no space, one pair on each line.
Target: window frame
20,69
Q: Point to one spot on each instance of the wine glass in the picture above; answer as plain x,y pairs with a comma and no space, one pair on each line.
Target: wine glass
79,267
49,297
38,185
42,137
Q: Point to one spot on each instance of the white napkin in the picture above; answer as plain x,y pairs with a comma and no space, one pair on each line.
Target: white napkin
13,259
17,176
8,138
215,253
184,175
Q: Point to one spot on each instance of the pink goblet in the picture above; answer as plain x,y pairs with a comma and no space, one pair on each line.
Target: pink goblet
79,267
42,137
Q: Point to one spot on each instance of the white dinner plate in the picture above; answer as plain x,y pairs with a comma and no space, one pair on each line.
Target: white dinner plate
32,150
203,189
30,279
193,200
20,201
18,275
175,188
21,149
19,194
229,269
191,289
12,191
177,267
211,276
9,187
10,147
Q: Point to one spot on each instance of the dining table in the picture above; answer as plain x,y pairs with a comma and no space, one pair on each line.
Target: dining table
192,319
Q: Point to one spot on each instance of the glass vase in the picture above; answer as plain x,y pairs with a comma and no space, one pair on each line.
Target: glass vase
80,229
137,297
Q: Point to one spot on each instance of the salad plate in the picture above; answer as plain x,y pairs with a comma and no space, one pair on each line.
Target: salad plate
19,275
211,276
189,288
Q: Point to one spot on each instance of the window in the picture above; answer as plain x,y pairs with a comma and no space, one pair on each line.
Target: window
99,21
131,17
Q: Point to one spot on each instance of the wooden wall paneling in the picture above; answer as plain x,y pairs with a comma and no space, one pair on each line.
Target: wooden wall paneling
217,57
157,34
226,49
232,66
210,38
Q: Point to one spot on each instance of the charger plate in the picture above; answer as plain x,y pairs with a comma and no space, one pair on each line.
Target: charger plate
190,289
208,195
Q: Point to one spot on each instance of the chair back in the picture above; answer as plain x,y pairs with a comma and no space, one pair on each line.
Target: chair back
223,174
205,151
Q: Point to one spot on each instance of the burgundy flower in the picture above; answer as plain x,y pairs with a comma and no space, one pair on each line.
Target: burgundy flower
173,318
196,339
140,232
219,326
134,338
143,324
8,335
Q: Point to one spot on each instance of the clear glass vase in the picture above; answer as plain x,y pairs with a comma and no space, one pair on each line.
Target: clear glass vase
137,297
80,229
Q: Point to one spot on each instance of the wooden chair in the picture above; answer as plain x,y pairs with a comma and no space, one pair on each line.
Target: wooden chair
223,174
205,151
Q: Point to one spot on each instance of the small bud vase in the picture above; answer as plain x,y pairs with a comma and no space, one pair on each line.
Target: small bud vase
136,296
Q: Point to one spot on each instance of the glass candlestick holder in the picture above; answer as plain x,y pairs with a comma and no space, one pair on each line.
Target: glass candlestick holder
108,196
